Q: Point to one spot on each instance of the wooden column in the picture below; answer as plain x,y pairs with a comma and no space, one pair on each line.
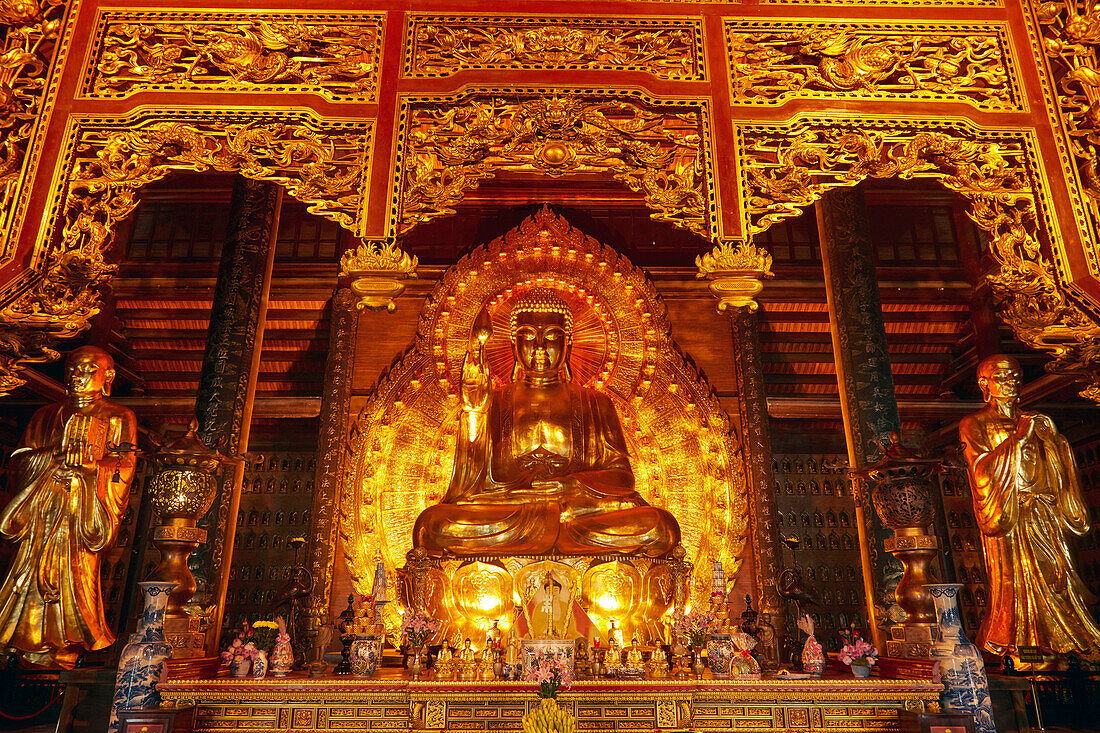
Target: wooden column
757,446
867,400
331,449
230,366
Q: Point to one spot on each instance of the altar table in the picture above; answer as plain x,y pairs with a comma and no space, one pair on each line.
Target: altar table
340,703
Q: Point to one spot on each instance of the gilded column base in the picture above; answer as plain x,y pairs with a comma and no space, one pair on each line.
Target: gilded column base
185,636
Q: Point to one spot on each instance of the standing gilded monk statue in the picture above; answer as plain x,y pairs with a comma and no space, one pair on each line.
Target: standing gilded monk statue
1027,497
71,474
541,464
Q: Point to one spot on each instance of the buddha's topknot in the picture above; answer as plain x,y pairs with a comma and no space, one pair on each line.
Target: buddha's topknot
541,300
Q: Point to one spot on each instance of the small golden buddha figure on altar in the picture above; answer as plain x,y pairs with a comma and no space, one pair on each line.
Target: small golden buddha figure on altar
71,474
466,663
1027,497
634,655
444,667
541,464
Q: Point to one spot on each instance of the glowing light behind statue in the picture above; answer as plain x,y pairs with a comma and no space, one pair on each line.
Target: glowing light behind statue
1027,497
541,464
72,474
684,455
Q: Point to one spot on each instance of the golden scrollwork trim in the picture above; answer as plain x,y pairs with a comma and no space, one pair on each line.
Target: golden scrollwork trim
36,35
787,167
106,162
442,45
336,56
658,148
774,61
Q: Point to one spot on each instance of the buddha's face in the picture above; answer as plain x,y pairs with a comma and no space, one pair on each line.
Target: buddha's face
541,343
1000,379
89,372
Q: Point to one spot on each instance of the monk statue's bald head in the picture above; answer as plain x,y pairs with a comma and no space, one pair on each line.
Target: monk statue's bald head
89,371
999,376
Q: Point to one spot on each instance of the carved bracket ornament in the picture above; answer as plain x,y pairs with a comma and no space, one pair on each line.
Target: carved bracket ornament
322,164
337,57
788,167
771,62
736,271
659,150
667,48
376,271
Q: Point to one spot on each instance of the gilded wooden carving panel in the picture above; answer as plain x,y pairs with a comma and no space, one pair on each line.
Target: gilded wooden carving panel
771,62
448,145
442,45
335,56
787,167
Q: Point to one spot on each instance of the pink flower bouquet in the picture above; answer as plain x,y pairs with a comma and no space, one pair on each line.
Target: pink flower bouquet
552,673
418,628
696,626
856,650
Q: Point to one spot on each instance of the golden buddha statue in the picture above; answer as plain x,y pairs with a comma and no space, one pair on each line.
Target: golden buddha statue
1027,496
541,464
71,474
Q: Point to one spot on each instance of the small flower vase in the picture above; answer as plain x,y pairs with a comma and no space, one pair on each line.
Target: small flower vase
698,667
259,665
142,664
240,667
282,658
861,670
416,663
366,651
813,659
720,651
960,665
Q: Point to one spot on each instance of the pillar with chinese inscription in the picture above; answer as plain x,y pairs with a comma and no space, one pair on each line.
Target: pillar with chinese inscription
756,440
227,385
343,321
735,273
867,401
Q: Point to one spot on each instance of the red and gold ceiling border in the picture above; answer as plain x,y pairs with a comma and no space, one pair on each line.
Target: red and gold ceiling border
72,61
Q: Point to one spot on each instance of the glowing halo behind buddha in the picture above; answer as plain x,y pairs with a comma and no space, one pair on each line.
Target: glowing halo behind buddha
684,456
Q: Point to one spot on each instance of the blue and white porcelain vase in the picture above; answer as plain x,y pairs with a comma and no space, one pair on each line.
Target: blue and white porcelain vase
960,665
142,664
259,665
366,651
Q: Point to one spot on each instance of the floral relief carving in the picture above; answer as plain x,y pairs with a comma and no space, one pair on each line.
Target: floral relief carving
787,169
660,151
29,31
666,48
323,165
338,57
772,62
